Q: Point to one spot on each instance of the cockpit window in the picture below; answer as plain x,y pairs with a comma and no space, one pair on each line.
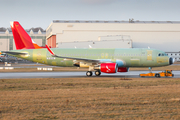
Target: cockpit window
162,54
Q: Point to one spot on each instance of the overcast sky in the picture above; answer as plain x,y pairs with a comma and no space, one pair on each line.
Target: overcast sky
40,13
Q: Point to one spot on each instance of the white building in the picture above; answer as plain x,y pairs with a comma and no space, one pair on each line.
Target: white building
103,42
160,35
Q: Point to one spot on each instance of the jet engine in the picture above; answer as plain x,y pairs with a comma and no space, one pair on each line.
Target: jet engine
107,67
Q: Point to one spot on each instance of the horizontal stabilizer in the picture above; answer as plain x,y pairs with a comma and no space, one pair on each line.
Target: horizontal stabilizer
15,53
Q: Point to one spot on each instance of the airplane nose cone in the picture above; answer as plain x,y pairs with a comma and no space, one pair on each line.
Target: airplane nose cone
171,61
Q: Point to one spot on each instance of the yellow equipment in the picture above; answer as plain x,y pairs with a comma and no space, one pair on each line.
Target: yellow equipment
166,73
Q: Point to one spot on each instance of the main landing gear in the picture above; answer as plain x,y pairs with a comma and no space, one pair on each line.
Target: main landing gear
92,68
97,73
89,73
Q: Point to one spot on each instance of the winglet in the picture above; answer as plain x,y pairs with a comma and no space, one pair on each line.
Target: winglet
52,53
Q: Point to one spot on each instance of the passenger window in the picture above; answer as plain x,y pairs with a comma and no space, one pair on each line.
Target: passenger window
159,54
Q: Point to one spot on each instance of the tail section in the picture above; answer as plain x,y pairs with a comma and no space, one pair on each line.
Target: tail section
21,38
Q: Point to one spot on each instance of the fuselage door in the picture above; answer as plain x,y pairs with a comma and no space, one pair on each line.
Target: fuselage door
149,55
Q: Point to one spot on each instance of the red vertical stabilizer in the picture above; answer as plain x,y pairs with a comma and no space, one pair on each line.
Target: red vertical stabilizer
21,38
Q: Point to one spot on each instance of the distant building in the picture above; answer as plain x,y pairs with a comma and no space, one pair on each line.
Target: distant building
117,41
7,42
163,35
175,55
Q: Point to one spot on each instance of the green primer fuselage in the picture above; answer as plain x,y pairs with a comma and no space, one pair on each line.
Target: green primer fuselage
134,57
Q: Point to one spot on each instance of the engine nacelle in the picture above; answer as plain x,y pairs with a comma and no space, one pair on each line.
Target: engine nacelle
123,69
108,67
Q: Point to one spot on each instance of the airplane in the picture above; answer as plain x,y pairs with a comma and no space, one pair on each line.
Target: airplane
99,60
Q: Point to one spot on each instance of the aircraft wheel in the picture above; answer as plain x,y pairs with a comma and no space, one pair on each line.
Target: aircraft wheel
89,73
157,75
97,73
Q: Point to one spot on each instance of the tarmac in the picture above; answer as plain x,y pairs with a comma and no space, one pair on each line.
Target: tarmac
130,74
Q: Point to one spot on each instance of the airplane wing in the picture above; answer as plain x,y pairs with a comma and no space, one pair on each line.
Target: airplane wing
73,58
